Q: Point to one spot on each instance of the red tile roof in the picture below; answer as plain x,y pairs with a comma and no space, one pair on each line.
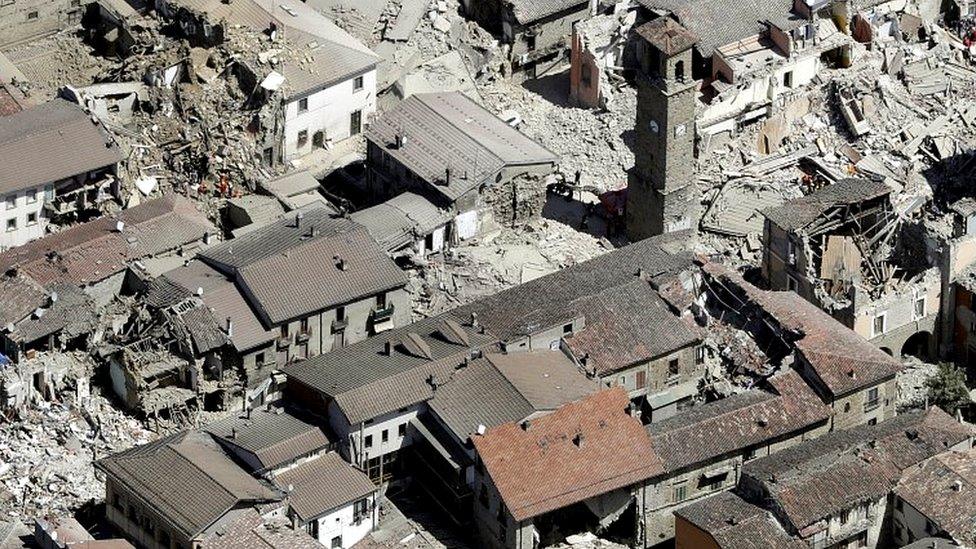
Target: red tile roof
584,449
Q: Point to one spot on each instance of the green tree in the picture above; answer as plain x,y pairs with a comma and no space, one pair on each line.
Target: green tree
947,388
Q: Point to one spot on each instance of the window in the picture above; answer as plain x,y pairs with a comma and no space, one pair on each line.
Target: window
259,359
386,435
369,441
623,381
340,314
11,201
336,542
679,71
31,15
269,156
304,326
673,368
790,252
530,42
919,311
749,455
303,105
680,492
871,401
792,284
641,379
11,225
356,123
402,430
31,196
32,218
700,355
357,84
845,516
284,330
567,329
873,421
312,528
302,138
381,301
788,79
880,324
49,192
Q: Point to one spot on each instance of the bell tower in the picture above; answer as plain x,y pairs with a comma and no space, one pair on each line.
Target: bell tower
662,195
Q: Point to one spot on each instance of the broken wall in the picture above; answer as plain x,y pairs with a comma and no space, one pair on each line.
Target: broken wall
23,20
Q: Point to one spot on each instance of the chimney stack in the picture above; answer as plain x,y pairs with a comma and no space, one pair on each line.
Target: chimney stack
230,327
388,348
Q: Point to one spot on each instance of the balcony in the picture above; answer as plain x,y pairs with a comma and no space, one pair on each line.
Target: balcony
871,405
303,336
340,325
379,315
284,342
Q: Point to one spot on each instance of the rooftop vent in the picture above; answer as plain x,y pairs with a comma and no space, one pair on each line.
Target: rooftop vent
298,220
481,429
525,425
578,440
340,263
957,486
120,226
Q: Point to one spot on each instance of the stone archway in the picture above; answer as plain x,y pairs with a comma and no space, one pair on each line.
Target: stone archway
918,345
887,351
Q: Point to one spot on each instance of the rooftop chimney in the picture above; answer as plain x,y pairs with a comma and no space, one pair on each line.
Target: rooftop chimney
957,486
578,439
388,348
230,327
298,220
474,320
120,226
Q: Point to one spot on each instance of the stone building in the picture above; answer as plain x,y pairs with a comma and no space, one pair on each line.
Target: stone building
662,195
25,20
536,34
461,158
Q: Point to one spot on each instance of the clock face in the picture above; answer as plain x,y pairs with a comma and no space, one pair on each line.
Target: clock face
653,126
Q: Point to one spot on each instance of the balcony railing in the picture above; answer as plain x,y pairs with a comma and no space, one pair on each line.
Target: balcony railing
385,313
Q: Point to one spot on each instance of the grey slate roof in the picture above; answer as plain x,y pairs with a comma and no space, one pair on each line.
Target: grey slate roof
500,388
20,297
273,437
291,268
564,295
709,431
72,315
451,131
530,11
734,523
187,479
366,382
800,212
324,484
719,22
51,142
327,54
400,220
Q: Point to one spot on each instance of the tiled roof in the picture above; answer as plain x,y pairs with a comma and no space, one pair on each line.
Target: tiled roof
187,479
220,296
205,331
247,529
501,388
667,35
798,213
325,261
944,490
616,334
563,296
719,22
327,54
530,11
21,296
707,432
835,471
322,485
273,437
400,220
451,131
366,381
73,314
843,360
51,142
737,524
584,449
90,252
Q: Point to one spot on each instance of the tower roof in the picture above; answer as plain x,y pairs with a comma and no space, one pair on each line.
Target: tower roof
667,35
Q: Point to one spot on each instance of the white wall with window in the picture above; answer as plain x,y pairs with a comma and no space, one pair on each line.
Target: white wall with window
346,526
330,115
23,216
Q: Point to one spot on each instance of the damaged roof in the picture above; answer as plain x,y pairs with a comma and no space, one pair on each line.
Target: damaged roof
944,490
188,479
268,439
326,262
529,11
326,54
842,360
72,315
719,22
324,484
583,449
21,296
667,35
90,252
835,471
798,213
734,523
754,418
500,388
401,220
51,142
367,379
560,297
450,131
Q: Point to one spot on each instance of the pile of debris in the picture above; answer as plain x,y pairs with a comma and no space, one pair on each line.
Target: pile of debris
46,455
912,391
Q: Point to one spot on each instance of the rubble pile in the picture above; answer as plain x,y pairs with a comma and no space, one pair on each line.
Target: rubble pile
50,63
47,454
912,391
